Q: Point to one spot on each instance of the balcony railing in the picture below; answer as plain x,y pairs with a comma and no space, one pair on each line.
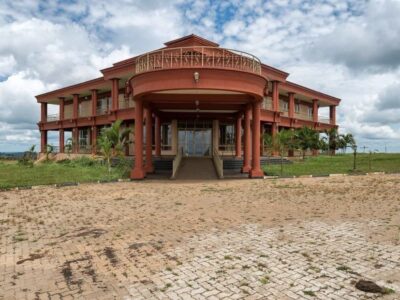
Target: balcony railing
52,117
324,119
198,57
126,103
303,116
85,149
102,111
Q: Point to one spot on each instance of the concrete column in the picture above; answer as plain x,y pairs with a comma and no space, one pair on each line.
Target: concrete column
94,102
62,105
238,137
275,95
215,136
256,171
158,135
43,141
332,114
247,140
174,136
274,131
61,140
75,140
94,140
149,168
291,151
115,93
315,110
75,106
138,171
43,112
291,105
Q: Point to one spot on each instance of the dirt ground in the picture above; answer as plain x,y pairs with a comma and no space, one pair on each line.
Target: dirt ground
310,238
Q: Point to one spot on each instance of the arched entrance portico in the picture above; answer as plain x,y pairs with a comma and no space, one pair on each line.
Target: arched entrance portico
198,97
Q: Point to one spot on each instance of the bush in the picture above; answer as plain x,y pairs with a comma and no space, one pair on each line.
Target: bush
124,166
64,161
84,161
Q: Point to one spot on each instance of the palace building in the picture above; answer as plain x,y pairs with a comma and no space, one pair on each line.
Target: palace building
188,99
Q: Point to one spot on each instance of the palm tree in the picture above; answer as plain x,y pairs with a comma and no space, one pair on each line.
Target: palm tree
333,140
347,141
283,139
112,141
49,150
307,139
106,149
69,146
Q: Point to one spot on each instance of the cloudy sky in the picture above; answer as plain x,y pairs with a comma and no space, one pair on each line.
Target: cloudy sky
348,48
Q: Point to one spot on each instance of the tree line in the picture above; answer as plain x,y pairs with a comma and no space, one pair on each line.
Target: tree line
305,138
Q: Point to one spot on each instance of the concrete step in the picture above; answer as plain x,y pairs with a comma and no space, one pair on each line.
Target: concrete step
196,168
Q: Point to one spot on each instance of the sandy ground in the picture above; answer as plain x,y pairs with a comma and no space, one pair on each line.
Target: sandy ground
202,240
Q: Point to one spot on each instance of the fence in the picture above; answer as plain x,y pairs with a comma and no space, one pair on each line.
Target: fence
339,163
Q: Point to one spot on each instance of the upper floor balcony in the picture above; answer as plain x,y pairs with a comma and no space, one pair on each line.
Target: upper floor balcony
198,57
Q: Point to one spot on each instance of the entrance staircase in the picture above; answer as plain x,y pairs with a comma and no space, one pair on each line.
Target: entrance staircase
196,168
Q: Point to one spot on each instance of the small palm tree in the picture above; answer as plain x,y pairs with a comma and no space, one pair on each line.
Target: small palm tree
69,146
49,150
106,149
113,140
334,142
307,139
347,140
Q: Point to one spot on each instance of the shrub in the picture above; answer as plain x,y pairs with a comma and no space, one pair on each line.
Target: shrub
84,161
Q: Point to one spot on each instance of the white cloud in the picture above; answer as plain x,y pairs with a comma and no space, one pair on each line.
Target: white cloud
371,41
321,43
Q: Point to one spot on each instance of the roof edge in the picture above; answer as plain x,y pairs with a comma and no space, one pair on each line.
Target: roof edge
194,37
84,84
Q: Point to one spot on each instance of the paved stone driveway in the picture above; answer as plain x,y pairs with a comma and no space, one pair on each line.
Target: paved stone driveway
312,261
245,239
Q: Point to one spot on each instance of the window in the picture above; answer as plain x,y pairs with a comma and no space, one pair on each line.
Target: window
166,136
84,137
226,134
309,111
285,106
297,108
103,105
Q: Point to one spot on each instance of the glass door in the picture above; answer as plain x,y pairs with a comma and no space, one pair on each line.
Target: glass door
195,137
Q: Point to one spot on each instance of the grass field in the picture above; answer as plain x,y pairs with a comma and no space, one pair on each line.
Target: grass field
12,174
322,165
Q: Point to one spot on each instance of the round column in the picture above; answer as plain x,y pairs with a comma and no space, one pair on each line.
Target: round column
256,171
149,142
138,171
247,140
158,136
238,136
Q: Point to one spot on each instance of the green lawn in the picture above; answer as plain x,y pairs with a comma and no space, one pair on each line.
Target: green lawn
12,174
323,165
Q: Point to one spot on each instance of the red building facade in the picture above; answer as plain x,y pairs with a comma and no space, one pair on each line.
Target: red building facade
191,96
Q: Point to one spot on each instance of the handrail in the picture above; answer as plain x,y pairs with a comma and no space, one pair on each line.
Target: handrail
52,117
324,119
218,164
176,162
198,57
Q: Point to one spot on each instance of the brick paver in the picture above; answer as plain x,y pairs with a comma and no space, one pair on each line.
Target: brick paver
295,239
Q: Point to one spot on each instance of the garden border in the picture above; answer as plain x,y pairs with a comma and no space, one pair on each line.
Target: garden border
68,184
